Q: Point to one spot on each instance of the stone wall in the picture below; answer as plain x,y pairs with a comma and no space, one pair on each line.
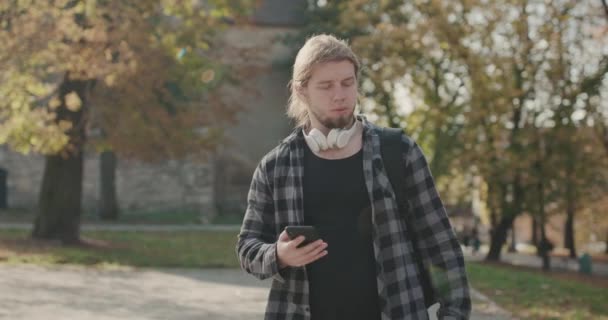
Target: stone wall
24,178
141,187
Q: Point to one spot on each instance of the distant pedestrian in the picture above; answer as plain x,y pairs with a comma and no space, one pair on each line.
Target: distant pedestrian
476,241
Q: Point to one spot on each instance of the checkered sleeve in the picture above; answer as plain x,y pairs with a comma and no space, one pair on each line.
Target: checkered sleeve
436,239
256,246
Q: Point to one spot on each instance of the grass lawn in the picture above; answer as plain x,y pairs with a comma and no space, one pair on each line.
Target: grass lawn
185,249
135,217
532,294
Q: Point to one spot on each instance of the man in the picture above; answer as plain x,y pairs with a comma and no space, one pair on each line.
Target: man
329,174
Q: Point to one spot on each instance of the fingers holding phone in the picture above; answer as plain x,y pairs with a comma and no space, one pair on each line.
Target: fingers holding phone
299,246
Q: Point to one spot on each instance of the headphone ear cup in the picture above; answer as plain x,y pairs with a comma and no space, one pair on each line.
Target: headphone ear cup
332,138
319,138
342,139
314,146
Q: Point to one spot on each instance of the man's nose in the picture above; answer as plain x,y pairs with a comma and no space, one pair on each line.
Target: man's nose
339,93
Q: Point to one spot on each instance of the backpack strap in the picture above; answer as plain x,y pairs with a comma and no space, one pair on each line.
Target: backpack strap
391,149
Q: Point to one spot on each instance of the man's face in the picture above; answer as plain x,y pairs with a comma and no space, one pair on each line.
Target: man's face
331,94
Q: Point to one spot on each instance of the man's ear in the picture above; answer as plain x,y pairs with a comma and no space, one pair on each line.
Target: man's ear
302,92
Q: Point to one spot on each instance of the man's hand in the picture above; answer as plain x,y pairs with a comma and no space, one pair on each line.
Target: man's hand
288,253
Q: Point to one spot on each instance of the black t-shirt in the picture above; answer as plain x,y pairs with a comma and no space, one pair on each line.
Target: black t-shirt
343,283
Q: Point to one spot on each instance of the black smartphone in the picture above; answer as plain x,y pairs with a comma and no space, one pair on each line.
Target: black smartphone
309,232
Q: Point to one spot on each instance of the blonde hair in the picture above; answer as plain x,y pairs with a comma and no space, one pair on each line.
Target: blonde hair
317,49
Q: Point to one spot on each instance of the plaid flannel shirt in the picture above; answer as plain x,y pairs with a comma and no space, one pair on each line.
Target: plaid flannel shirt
275,200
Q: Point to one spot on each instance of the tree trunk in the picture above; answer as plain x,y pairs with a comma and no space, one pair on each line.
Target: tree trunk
498,238
605,139
3,188
606,251
544,247
509,211
546,262
513,238
492,206
60,199
569,233
534,231
61,190
569,242
108,206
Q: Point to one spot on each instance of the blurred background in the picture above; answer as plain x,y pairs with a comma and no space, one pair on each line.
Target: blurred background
129,130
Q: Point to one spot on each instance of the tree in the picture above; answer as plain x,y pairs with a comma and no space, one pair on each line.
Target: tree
145,69
108,203
550,87
485,82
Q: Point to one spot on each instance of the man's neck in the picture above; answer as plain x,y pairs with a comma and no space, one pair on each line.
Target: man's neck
325,130
354,145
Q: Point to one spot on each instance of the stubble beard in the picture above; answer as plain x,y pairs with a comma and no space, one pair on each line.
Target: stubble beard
336,123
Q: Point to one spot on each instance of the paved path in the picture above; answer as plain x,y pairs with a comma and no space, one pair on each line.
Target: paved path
32,292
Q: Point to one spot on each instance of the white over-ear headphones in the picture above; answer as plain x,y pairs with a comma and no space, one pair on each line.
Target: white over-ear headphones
336,138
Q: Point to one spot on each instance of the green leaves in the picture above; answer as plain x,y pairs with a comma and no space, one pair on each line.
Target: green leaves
484,81
34,131
155,67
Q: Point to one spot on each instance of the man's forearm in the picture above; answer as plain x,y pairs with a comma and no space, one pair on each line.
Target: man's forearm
258,258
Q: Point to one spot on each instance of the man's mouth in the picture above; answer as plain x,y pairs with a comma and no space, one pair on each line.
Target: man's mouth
340,110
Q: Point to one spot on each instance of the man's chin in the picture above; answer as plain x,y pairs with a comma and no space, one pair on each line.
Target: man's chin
338,123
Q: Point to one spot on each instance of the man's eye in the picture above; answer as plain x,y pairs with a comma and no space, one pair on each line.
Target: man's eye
348,83
326,87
